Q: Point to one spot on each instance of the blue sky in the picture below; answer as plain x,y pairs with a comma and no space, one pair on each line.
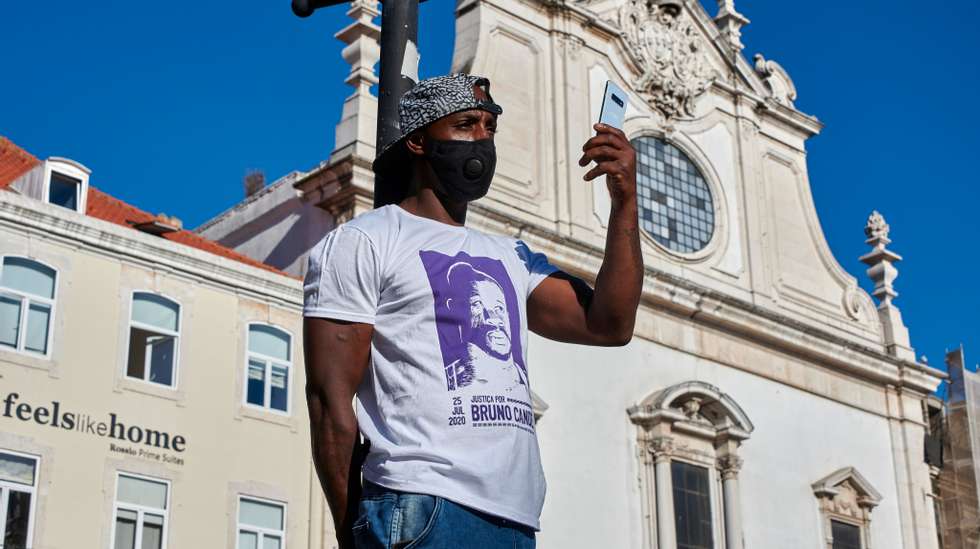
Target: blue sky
171,104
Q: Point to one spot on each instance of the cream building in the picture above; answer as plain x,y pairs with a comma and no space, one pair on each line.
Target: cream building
151,381
766,401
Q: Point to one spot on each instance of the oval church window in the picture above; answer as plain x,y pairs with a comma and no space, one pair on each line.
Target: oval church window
676,206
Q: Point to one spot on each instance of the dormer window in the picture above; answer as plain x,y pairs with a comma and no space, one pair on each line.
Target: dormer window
65,183
64,191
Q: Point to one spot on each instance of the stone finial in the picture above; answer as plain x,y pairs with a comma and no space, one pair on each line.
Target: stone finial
876,227
730,23
881,269
363,48
880,260
355,134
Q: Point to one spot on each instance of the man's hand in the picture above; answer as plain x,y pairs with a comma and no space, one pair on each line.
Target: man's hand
615,158
337,355
563,307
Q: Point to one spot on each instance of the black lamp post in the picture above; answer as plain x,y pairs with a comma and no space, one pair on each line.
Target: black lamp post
399,25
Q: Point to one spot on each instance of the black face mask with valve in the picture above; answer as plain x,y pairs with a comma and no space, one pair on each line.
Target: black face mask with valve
464,168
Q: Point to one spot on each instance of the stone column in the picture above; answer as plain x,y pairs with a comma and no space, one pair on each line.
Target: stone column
729,466
662,449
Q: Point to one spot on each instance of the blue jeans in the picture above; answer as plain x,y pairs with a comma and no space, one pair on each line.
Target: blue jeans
388,519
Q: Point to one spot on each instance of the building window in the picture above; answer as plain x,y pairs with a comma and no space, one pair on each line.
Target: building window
64,191
18,486
690,435
676,206
261,524
846,501
26,305
692,506
64,183
846,536
154,333
268,369
140,514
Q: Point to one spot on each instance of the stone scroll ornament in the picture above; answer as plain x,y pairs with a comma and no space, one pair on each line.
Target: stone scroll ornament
670,53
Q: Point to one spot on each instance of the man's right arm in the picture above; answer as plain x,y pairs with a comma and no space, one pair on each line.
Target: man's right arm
337,355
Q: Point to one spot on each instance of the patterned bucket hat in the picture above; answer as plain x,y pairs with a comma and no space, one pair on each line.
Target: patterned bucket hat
430,100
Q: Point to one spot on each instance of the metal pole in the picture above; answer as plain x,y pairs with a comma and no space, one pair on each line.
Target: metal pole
399,72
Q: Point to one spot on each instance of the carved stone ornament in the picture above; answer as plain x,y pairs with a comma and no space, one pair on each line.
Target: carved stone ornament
776,79
692,408
880,260
846,501
852,303
876,227
661,448
729,465
846,492
672,56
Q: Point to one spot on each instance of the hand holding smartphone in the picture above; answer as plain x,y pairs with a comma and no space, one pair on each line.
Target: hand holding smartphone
613,106
610,148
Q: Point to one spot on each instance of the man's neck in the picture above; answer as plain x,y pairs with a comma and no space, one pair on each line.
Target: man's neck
425,203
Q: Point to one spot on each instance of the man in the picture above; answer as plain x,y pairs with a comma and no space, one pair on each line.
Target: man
425,322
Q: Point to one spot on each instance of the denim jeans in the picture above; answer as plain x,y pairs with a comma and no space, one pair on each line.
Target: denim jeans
388,519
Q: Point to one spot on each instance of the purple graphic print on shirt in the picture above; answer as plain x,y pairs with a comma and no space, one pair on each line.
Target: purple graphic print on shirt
477,320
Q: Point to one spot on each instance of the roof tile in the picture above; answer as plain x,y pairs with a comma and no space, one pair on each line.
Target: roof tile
14,162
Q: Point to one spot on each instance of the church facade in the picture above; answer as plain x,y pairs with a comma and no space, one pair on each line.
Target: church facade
766,400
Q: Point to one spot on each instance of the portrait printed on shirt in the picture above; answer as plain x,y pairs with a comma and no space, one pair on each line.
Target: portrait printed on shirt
478,322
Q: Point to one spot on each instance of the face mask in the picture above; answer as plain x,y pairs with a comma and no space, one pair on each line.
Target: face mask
464,168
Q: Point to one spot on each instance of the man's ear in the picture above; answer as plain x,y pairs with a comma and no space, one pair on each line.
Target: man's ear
415,143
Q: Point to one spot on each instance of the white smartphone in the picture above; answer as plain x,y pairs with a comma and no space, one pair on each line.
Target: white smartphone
613,105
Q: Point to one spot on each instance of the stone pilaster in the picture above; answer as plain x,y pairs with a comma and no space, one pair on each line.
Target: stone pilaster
662,448
729,466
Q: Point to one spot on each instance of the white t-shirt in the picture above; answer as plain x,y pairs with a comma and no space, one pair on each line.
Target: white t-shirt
446,401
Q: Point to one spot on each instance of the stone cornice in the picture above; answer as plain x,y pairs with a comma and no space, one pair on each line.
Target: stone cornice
22,214
586,18
767,108
666,292
338,186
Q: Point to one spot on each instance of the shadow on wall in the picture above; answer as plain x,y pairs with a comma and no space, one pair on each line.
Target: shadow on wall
307,225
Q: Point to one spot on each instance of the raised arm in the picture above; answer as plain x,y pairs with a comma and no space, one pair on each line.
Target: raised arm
565,308
337,355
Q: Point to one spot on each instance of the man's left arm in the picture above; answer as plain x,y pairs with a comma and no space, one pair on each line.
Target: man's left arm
565,308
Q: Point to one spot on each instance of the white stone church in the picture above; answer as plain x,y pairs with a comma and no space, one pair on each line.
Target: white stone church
766,400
